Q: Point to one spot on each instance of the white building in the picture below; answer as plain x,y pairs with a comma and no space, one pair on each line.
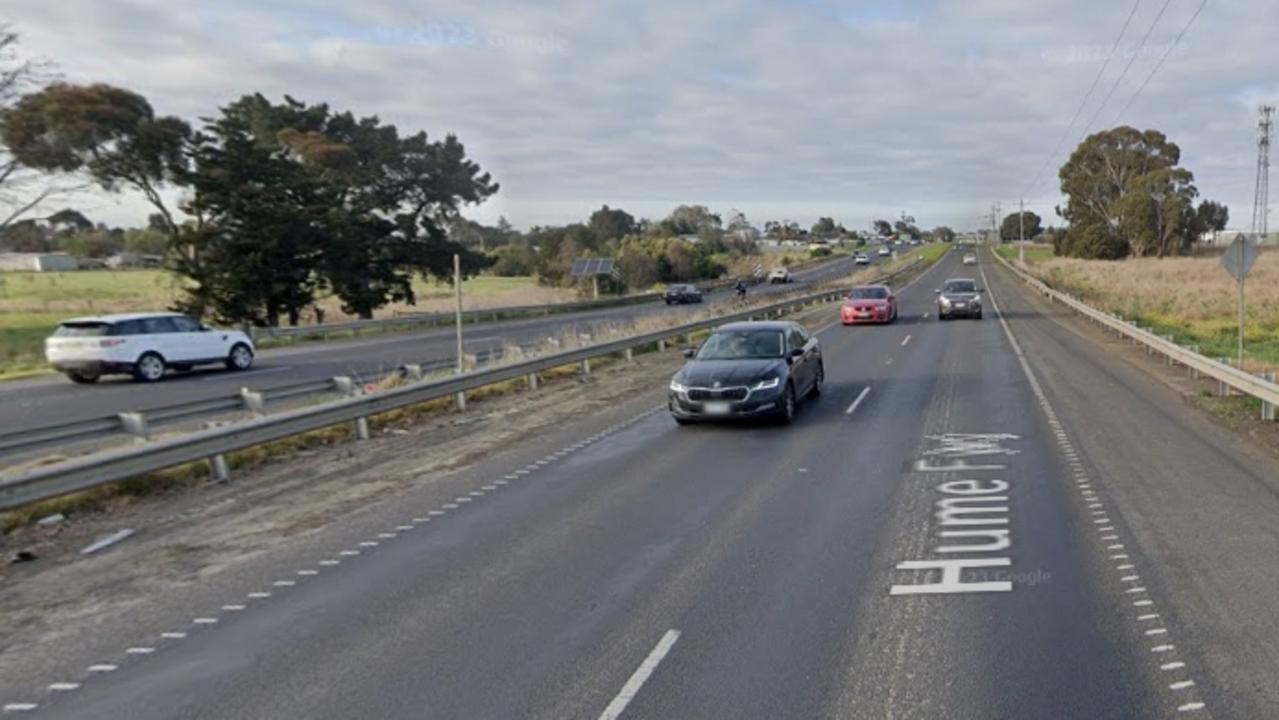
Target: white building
37,262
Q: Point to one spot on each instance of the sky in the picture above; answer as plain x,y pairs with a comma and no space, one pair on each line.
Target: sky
783,110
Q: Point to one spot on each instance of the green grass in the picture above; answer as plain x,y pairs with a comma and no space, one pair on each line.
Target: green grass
932,251
476,287
1034,253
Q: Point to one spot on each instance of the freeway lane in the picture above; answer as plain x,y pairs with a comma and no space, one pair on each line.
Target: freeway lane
49,401
745,572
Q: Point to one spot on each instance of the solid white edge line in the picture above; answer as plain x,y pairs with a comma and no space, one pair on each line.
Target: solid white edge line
861,396
640,676
906,340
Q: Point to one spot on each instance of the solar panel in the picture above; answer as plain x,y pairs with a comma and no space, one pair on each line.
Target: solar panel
586,267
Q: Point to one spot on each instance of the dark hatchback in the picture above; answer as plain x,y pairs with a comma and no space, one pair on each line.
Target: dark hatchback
682,294
748,370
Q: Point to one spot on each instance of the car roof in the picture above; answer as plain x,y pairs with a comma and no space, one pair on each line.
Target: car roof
780,325
875,286
951,280
119,317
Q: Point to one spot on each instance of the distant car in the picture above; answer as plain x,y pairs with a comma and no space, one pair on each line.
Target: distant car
144,345
915,242
970,259
779,275
885,251
861,259
869,304
682,294
746,370
959,297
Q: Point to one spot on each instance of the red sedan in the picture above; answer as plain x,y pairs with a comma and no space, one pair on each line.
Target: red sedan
869,304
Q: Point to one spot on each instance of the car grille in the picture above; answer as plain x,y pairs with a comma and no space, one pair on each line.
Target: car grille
703,394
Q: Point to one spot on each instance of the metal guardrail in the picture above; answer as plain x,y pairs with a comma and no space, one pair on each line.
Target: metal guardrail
213,443
1223,372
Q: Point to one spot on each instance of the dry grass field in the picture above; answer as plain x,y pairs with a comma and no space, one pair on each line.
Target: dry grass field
1191,298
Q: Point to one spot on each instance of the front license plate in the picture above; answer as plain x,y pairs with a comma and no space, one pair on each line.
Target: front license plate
716,408
960,306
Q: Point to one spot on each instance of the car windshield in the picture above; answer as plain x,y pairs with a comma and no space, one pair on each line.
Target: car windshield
742,345
960,286
868,293
82,329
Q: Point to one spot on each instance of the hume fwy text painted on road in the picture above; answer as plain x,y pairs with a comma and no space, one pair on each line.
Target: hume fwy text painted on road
971,517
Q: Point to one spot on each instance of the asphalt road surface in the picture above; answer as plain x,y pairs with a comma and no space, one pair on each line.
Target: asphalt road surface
48,401
955,529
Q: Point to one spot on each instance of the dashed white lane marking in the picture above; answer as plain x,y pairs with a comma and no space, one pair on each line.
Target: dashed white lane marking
308,573
173,635
906,340
403,528
640,676
1102,518
329,563
258,595
387,536
436,513
349,553
63,686
450,506
205,621
368,543
860,397
233,608
139,651
103,668
18,707
924,316
284,583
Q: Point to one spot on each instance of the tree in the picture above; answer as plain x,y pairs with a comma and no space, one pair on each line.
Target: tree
825,227
907,228
95,243
942,233
611,224
1012,227
1095,180
515,260
688,220
883,228
1156,212
1210,216
638,268
109,133
146,241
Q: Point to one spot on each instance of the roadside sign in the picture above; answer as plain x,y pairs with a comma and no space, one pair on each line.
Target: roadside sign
1240,257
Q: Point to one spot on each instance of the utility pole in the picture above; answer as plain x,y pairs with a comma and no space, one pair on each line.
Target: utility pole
457,294
994,225
1021,230
1260,201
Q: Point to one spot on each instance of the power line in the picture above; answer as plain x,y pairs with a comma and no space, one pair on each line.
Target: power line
1127,67
1087,96
1160,64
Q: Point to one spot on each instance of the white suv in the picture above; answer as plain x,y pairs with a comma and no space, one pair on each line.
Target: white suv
144,345
779,275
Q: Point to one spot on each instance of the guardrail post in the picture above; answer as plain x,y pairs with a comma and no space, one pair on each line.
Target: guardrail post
661,346
254,402
630,355
1194,371
1222,388
135,423
532,381
362,428
219,470
586,366
460,400
1267,410
1169,357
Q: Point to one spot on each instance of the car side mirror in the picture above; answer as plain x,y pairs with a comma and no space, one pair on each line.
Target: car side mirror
797,352
690,352
937,292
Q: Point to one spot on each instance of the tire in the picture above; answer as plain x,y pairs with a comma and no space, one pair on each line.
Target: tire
668,303
149,368
977,316
240,358
816,390
787,413
83,378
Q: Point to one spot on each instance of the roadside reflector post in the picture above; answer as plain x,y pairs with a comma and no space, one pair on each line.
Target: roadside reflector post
460,399
218,468
586,366
1267,409
254,402
661,346
135,424
532,381
413,372
344,385
362,428
630,355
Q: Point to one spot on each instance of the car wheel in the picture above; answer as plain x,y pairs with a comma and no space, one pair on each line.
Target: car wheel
149,368
818,381
668,302
787,413
82,377
977,316
241,357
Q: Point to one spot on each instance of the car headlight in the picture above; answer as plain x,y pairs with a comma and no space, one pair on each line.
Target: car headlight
677,387
768,384
945,301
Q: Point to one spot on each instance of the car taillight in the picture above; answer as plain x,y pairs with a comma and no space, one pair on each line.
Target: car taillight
110,343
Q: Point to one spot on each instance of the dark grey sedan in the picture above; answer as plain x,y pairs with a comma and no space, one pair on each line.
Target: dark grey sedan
959,297
745,370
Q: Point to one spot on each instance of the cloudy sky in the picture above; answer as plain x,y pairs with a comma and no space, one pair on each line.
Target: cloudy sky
781,109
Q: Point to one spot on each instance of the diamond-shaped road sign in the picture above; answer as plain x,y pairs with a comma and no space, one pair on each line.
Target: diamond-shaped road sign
1239,257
